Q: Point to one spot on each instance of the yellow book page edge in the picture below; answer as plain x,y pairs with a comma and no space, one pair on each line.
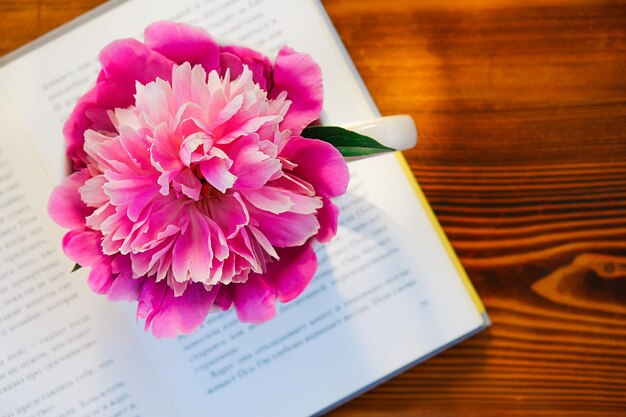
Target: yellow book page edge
442,235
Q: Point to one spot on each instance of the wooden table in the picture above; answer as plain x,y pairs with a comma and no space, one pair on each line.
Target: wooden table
521,108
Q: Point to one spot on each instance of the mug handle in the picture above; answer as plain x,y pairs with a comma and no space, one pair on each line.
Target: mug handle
396,132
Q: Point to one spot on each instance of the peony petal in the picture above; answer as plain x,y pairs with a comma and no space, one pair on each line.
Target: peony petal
300,76
191,146
124,153
183,43
124,117
269,199
229,212
319,163
232,63
255,174
279,200
135,143
327,216
145,262
188,183
134,193
99,216
286,229
294,184
165,218
91,112
124,287
127,61
65,206
83,247
179,288
235,127
169,316
254,300
150,300
225,296
263,241
293,273
101,277
92,193
155,102
215,171
116,230
192,255
241,246
234,57
252,167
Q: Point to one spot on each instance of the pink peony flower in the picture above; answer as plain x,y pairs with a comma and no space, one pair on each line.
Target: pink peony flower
192,188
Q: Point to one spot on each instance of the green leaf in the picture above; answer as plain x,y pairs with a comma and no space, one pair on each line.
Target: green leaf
76,267
347,142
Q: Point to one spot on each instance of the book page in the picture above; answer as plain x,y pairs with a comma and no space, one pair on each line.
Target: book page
387,293
379,301
61,350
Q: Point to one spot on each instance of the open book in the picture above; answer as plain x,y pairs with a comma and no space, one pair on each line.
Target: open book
389,291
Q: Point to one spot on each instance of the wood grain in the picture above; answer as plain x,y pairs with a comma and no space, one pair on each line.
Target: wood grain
521,108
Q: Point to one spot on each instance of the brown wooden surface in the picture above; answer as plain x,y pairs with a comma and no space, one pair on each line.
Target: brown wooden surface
521,107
